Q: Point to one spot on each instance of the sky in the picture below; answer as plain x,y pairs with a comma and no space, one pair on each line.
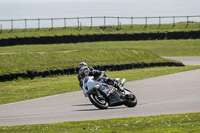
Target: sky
34,9
11,9
65,1
39,1
49,1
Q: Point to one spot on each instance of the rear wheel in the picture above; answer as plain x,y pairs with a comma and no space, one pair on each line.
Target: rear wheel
98,100
130,102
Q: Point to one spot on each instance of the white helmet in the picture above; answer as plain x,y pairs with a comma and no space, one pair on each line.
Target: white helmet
82,64
84,71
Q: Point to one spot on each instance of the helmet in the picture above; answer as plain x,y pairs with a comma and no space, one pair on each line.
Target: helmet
84,71
82,64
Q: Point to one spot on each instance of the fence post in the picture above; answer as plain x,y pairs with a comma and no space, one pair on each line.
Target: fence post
25,24
145,21
78,22
159,21
11,24
38,23
118,21
52,23
91,23
65,22
187,20
104,22
173,20
131,22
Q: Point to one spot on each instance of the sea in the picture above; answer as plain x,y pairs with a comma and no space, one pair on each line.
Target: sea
60,13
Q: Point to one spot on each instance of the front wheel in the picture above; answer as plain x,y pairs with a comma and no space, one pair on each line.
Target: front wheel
98,100
130,102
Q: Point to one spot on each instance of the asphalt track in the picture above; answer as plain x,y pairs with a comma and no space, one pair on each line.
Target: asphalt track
187,60
169,94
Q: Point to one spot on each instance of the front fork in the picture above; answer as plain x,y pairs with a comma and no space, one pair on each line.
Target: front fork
99,95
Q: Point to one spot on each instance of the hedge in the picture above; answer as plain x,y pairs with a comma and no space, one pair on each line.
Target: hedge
99,37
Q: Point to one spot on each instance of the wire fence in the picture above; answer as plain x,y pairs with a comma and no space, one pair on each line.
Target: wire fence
104,21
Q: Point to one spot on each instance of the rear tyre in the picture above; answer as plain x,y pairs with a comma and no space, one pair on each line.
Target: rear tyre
100,102
131,102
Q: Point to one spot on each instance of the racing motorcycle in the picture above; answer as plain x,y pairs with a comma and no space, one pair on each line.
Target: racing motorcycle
103,95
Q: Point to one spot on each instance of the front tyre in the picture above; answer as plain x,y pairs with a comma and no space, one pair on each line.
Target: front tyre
98,101
131,102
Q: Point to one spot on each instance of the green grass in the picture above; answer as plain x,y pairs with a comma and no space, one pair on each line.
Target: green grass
177,123
97,30
40,57
63,59
14,91
189,47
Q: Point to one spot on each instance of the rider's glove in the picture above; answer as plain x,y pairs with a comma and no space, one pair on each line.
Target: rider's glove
105,79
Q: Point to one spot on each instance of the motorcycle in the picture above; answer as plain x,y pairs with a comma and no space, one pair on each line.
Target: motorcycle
103,95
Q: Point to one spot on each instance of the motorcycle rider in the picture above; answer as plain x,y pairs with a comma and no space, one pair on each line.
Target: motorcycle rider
95,73
80,76
89,71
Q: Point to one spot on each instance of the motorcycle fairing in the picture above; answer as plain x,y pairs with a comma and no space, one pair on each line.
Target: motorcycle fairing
88,85
114,98
112,94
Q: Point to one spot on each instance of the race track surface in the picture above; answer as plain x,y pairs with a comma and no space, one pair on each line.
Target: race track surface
169,94
187,60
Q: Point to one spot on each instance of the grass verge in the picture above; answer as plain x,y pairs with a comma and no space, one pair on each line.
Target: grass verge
98,30
22,62
13,91
178,123
40,57
181,47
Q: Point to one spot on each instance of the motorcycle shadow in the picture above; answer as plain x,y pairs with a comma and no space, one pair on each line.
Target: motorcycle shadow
83,105
95,109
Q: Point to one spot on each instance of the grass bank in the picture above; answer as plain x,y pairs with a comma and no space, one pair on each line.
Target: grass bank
21,62
98,30
20,90
182,47
40,57
179,123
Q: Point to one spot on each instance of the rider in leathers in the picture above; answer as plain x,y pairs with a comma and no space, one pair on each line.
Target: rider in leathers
80,75
89,71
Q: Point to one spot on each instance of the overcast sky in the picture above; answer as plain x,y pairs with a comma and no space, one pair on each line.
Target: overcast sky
57,1
10,9
38,1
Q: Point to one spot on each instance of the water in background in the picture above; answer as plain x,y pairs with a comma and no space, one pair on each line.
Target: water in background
92,8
